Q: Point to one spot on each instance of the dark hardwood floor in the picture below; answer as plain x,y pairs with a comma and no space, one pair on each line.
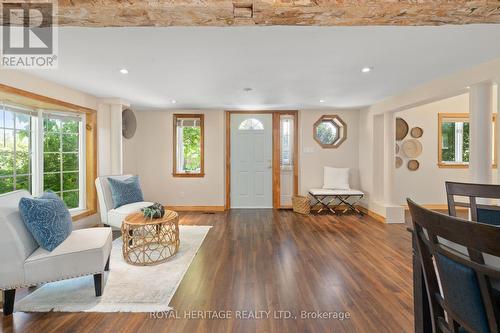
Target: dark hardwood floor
268,260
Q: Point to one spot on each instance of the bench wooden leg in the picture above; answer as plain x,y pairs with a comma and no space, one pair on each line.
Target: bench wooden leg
8,301
98,282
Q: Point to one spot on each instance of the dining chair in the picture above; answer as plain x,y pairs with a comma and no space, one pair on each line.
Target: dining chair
459,286
476,194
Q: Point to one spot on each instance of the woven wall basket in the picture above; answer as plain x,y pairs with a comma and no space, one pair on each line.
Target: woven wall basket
301,204
401,129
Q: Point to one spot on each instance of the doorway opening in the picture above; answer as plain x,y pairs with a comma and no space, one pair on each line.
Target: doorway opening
261,159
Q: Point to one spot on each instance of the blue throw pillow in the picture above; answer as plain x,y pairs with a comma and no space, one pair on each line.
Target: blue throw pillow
125,191
47,218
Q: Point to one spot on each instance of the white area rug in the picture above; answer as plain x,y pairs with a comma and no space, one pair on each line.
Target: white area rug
127,288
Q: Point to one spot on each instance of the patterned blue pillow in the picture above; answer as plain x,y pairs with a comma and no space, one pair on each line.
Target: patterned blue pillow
125,191
47,218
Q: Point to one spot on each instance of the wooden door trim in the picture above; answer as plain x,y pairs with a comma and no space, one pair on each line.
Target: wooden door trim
275,153
276,160
175,172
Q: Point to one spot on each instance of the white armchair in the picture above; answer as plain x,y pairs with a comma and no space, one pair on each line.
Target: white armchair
25,264
114,216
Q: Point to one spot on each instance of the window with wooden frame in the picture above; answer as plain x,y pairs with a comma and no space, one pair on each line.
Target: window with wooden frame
453,140
188,145
48,144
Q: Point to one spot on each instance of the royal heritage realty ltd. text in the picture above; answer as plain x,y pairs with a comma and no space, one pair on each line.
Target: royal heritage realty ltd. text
250,314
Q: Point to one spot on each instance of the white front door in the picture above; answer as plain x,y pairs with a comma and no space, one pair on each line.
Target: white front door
251,160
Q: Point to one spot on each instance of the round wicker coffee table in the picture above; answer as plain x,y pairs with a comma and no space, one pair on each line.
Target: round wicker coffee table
149,242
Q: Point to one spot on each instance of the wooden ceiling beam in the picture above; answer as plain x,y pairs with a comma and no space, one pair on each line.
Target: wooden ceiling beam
119,13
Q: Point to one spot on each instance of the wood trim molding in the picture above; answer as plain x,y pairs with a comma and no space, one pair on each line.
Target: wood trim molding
91,162
376,216
82,215
276,174
296,154
444,165
23,97
452,166
202,146
196,208
188,175
228,160
275,153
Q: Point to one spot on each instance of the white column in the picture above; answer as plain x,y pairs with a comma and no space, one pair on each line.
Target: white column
116,147
389,156
480,115
103,142
110,145
377,142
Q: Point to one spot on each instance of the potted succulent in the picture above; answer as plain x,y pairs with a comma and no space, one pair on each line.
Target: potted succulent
155,211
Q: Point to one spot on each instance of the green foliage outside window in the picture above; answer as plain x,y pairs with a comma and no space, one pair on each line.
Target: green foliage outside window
191,149
448,142
466,149
60,158
327,132
61,164
15,151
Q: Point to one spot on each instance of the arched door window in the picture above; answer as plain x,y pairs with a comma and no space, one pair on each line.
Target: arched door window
251,124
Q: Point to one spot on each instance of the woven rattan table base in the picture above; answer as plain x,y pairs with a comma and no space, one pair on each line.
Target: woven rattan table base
149,242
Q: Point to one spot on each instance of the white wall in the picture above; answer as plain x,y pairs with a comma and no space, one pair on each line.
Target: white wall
130,153
426,185
366,156
149,154
313,157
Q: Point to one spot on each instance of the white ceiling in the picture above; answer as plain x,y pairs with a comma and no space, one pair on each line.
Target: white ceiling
287,67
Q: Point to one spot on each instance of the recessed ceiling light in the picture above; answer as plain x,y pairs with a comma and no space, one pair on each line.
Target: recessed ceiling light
124,71
366,69
322,101
174,101
468,87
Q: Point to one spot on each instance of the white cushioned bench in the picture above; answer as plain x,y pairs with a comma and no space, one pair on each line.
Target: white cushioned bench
330,199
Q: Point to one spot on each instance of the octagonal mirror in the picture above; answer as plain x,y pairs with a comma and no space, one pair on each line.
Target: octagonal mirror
330,131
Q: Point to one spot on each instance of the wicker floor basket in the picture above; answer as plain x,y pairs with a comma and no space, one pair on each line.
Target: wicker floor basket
301,204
